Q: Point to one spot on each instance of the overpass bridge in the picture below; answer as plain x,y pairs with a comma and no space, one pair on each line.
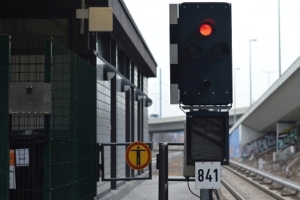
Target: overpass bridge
272,121
176,124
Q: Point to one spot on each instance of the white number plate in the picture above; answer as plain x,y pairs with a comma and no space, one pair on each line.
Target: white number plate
207,175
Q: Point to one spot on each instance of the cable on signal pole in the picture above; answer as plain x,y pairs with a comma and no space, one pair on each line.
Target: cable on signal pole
188,183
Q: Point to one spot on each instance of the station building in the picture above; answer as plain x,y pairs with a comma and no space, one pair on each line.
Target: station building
73,74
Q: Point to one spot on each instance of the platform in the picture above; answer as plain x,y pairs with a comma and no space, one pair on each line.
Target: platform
148,190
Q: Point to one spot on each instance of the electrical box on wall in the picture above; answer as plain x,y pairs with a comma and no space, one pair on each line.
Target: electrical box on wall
101,19
30,98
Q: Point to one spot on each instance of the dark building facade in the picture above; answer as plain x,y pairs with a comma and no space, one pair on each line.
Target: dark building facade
98,94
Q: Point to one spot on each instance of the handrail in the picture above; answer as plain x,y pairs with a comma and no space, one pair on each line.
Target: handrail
271,177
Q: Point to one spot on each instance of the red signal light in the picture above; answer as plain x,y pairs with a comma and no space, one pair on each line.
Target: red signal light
205,29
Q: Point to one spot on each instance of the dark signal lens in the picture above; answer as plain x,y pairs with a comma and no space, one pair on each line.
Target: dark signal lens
205,29
193,50
206,84
219,49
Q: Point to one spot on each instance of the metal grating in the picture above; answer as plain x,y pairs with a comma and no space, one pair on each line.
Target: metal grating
27,141
27,131
54,155
28,60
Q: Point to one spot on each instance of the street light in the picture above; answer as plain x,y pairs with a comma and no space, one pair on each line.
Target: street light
251,40
268,76
279,40
234,115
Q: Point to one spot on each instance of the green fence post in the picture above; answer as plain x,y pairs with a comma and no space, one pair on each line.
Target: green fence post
73,143
4,116
47,126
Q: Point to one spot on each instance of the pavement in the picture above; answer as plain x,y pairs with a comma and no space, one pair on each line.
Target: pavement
148,190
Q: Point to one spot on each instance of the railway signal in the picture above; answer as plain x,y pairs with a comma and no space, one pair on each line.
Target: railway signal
205,54
201,82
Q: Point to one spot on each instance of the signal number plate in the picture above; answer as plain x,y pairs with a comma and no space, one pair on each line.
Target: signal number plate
207,175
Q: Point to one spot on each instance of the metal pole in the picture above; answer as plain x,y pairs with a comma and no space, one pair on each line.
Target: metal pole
268,76
250,72
154,102
250,69
279,40
234,115
82,20
160,97
163,172
205,194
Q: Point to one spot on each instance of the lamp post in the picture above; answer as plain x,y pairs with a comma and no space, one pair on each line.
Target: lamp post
234,114
268,76
251,40
279,41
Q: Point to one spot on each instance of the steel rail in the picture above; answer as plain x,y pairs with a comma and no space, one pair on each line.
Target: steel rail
232,190
254,183
270,177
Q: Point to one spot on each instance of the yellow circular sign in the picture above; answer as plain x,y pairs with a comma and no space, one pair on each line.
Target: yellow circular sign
138,155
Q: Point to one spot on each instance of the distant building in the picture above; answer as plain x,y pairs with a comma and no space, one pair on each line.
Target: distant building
154,115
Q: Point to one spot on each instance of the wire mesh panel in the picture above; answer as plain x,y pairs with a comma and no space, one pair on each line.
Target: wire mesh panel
28,60
61,149
73,124
27,129
54,153
27,141
4,118
84,102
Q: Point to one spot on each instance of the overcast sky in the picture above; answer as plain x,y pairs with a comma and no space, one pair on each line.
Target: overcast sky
256,19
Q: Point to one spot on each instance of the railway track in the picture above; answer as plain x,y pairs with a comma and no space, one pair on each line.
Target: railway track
243,182
232,192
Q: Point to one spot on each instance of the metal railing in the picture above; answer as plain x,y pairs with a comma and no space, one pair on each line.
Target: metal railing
162,166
